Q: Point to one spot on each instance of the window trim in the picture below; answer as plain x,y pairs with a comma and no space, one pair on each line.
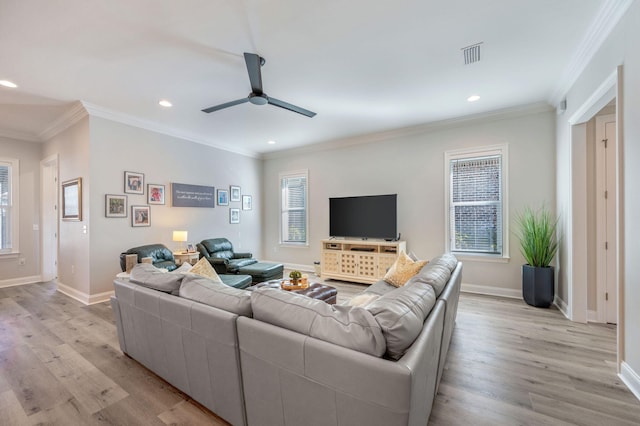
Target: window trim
14,207
282,175
501,149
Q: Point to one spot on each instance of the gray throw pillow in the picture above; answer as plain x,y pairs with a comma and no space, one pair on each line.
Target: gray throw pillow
147,275
216,294
401,314
350,327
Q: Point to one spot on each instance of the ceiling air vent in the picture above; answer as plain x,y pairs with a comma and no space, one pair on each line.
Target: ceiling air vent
471,53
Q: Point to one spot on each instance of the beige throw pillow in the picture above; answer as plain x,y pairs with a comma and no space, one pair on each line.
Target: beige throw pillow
403,269
204,269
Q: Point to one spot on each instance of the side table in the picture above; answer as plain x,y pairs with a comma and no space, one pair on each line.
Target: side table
181,257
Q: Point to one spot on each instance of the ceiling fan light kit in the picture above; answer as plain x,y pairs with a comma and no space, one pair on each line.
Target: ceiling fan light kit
257,95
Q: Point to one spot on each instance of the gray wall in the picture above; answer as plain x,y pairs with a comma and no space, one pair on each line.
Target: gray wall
29,154
116,148
621,47
411,164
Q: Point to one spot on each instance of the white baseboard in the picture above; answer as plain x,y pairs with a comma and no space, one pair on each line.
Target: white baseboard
562,306
20,281
491,291
630,378
87,299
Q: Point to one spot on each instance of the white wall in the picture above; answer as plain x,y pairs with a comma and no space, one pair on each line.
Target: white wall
116,148
412,165
72,147
29,154
619,48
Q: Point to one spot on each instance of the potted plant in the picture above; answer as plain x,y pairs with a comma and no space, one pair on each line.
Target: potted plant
295,276
538,245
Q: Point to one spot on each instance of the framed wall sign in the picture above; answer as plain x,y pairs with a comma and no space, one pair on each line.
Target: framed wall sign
184,195
115,205
72,200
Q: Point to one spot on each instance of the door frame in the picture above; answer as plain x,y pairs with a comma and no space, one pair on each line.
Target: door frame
52,219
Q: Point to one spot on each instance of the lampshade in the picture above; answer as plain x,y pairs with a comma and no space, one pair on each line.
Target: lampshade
180,236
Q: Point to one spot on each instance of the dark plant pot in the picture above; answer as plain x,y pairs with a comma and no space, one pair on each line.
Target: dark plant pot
538,285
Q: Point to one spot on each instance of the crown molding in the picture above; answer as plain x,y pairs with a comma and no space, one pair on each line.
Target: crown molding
70,117
500,114
607,18
20,136
130,120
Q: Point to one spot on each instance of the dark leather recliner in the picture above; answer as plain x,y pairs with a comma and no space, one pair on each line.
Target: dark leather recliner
162,256
219,252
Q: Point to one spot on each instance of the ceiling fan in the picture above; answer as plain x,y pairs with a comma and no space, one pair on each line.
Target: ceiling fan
257,95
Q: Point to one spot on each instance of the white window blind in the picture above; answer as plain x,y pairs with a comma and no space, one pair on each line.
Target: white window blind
294,188
476,204
5,206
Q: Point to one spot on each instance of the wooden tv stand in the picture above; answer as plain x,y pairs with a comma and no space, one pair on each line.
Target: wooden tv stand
361,261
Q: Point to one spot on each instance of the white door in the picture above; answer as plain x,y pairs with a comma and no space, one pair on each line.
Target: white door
606,217
49,209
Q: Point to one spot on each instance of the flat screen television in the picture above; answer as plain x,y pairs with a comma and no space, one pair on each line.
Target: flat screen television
373,216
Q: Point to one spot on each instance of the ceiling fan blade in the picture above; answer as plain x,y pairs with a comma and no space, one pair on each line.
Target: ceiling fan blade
253,62
290,107
225,105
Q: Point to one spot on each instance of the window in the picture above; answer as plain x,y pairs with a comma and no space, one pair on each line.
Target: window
9,171
293,207
476,201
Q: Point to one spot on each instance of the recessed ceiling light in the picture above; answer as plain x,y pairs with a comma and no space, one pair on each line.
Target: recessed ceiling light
473,98
7,83
271,142
165,103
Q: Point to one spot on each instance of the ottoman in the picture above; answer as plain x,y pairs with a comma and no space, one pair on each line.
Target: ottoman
262,271
317,291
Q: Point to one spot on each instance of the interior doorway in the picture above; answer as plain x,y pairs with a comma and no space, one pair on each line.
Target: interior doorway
49,215
606,218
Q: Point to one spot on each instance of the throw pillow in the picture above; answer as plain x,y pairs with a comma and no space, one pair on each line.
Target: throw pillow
403,269
204,269
362,299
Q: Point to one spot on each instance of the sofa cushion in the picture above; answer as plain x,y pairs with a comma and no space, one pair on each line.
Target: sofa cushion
235,264
403,269
216,294
437,272
401,314
350,327
149,276
204,269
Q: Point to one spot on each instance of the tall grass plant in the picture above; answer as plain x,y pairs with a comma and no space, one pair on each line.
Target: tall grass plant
537,233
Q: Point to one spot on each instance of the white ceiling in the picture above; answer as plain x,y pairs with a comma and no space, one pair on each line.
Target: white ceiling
363,65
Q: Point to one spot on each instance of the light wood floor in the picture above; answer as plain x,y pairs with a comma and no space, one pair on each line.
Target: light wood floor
509,364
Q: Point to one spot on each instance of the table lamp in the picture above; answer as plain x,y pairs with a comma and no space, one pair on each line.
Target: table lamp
180,236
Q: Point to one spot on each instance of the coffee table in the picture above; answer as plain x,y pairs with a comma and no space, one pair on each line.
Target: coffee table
318,291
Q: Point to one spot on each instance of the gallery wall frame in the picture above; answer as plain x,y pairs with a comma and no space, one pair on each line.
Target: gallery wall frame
115,205
223,197
234,215
140,216
72,200
133,183
155,194
235,193
247,202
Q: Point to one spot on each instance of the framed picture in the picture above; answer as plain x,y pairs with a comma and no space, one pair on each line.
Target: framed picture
191,248
235,193
234,215
155,194
247,202
72,200
223,197
115,205
140,216
133,183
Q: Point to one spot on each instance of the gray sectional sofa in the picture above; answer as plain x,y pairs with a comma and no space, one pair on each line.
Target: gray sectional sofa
272,357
